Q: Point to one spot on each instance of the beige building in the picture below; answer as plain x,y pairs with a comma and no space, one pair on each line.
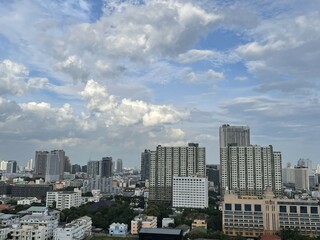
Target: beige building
142,221
199,223
250,216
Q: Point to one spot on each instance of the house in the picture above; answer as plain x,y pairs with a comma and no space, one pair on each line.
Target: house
118,229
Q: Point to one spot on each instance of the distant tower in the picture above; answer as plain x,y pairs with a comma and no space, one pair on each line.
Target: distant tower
40,163
11,167
30,164
93,169
119,166
234,135
106,167
145,164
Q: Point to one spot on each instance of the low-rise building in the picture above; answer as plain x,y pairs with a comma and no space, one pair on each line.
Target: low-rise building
167,221
250,216
4,232
199,223
28,201
143,221
160,234
77,229
64,199
118,229
7,220
29,232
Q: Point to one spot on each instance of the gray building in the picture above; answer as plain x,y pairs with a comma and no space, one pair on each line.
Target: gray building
213,175
119,165
106,167
234,135
40,163
167,162
145,164
11,166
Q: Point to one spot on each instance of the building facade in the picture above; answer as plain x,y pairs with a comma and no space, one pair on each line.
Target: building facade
118,229
64,199
190,192
249,170
234,135
119,165
77,229
145,164
167,162
106,167
250,216
143,221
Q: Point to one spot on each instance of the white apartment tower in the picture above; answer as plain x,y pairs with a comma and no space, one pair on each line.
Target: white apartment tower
167,162
249,170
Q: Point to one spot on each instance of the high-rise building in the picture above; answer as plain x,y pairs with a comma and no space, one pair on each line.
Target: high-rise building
167,162
106,167
52,167
11,166
301,177
213,175
40,163
119,165
145,164
234,135
3,165
75,168
67,164
30,164
249,170
84,168
61,157
288,174
93,169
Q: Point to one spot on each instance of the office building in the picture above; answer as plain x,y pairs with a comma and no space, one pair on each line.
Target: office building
67,165
28,190
190,192
50,165
106,167
234,135
168,162
119,165
40,163
251,217
84,168
11,166
75,168
249,170
64,199
288,175
145,164
301,177
93,169
213,175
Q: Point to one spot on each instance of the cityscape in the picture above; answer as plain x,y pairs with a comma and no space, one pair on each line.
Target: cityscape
159,120
251,194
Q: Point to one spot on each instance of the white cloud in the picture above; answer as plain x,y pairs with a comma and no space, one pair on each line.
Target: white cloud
195,55
127,112
15,79
215,75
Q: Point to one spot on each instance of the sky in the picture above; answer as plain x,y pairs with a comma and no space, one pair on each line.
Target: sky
113,77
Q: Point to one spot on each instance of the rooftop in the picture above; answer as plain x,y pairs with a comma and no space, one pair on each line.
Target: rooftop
161,231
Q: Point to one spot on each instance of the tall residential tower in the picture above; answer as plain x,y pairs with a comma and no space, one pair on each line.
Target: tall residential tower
234,135
169,162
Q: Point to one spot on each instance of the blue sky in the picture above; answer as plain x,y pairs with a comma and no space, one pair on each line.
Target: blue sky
115,77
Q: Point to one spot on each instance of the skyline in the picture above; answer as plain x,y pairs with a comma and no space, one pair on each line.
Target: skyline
114,77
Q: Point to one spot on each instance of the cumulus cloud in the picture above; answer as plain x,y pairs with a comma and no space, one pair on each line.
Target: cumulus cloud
127,112
195,55
203,77
15,79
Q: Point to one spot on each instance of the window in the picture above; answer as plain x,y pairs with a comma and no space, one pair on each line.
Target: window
293,209
283,208
227,206
247,207
314,209
257,208
237,207
303,209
